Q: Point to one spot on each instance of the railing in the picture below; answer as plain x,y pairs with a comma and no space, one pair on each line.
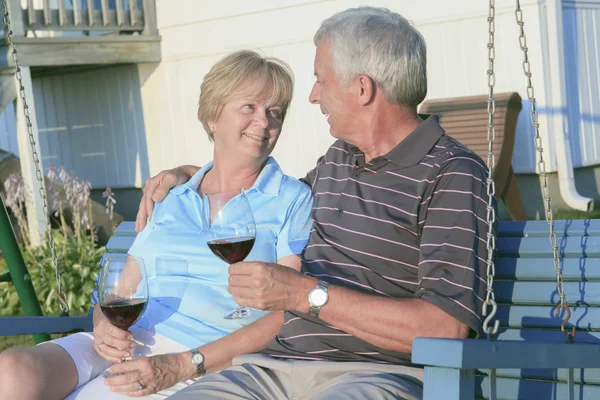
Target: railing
87,15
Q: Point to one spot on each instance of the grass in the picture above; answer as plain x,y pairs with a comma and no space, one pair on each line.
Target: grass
574,214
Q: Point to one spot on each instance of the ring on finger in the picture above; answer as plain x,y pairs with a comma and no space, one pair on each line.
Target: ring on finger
140,386
100,346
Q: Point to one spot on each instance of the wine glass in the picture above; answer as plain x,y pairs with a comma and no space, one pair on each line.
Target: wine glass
123,290
229,231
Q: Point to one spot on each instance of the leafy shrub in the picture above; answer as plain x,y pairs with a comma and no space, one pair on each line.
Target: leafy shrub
75,241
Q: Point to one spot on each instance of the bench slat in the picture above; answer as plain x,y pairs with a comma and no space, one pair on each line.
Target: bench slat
13,326
542,269
540,246
530,389
551,335
126,228
470,353
545,317
582,375
544,293
579,227
119,244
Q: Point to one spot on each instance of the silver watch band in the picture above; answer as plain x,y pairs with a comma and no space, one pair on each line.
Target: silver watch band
200,370
313,308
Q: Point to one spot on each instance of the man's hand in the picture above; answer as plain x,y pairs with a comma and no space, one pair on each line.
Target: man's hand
156,190
269,286
154,374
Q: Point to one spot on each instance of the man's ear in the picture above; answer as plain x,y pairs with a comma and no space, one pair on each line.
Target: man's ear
366,89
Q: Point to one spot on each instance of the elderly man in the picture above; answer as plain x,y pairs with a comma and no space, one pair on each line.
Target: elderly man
397,248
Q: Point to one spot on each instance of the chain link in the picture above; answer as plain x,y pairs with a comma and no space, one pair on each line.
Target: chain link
533,116
490,299
36,160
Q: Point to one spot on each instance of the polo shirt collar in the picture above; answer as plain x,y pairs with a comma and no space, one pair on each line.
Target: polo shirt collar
418,144
268,182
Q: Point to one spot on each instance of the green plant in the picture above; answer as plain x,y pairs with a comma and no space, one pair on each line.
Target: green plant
74,236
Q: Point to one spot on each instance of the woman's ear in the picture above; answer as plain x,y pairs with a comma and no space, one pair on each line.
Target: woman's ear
212,126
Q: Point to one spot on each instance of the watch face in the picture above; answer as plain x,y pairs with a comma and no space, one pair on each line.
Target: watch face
318,297
197,358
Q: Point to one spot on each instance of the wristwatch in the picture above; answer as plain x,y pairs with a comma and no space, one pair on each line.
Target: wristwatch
198,360
317,298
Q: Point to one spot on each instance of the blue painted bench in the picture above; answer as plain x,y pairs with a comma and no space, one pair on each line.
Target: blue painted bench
530,356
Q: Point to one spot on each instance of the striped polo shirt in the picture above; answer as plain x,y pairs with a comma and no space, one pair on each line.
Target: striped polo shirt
411,223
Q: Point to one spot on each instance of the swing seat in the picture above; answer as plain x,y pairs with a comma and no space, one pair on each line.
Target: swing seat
530,355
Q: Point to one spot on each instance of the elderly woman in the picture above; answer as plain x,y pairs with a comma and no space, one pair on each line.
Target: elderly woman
243,102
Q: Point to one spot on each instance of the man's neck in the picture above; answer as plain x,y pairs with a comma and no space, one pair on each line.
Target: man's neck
385,128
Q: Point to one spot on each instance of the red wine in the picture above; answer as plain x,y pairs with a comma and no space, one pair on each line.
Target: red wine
123,313
232,250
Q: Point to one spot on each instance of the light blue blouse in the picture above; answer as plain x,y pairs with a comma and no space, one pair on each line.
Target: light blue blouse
187,282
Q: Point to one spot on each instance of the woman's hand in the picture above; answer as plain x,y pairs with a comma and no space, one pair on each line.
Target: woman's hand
147,375
111,342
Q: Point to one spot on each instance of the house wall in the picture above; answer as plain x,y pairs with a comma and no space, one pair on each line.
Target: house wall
92,121
581,21
196,33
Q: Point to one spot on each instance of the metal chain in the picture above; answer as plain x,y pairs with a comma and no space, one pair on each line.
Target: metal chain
36,160
542,167
490,299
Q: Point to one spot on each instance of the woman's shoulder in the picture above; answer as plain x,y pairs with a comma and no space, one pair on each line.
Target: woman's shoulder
289,183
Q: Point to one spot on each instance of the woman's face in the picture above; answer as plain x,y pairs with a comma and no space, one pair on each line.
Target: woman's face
248,124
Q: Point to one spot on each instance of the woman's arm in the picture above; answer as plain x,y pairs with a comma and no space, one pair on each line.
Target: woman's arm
161,372
249,339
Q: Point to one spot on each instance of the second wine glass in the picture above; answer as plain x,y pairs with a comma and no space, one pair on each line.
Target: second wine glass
123,292
229,230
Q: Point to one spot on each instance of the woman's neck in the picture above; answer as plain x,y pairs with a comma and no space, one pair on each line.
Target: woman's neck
229,174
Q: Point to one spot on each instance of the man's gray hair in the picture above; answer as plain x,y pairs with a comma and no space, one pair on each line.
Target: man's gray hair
382,45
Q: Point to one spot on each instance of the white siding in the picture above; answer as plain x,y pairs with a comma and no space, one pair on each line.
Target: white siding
196,33
91,122
582,49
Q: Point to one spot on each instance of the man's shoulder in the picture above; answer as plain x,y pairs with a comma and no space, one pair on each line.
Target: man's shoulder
449,153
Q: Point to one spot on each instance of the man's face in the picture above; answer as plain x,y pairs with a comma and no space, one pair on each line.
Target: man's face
336,101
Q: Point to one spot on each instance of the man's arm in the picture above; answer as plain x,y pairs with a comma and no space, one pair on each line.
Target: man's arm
448,299
388,323
156,190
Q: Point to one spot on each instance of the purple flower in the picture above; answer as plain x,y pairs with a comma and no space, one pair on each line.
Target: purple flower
110,202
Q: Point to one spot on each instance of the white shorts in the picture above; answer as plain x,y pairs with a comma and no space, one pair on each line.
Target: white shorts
90,365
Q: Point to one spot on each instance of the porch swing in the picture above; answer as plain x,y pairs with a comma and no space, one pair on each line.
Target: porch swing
534,343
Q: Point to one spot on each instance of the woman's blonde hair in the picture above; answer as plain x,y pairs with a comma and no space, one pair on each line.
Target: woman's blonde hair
229,75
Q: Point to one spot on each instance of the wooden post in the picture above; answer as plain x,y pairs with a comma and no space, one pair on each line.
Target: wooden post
150,25
15,13
120,12
47,13
448,384
62,13
36,217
